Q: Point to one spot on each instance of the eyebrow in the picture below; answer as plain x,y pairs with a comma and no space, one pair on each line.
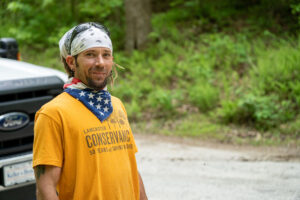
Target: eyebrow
107,51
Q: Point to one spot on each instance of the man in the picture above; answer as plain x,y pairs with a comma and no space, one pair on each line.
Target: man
83,145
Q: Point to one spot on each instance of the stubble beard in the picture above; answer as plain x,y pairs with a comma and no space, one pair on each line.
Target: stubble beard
97,86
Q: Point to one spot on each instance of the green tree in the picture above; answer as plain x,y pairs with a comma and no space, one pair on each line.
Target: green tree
42,22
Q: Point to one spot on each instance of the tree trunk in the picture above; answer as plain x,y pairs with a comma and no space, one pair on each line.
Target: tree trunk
73,5
138,23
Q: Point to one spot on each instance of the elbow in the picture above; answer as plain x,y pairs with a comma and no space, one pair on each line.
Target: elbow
37,193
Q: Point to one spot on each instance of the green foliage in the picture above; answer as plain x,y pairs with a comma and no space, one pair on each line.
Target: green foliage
42,23
272,97
228,53
48,58
295,6
204,96
290,128
31,27
246,81
133,110
163,101
164,26
278,72
236,60
95,8
235,15
264,112
194,125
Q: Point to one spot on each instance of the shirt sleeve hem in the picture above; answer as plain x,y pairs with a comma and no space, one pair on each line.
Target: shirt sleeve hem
48,162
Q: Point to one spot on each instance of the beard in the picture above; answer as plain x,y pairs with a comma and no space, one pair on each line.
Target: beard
95,85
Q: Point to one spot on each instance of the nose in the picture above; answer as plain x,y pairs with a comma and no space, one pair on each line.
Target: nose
100,60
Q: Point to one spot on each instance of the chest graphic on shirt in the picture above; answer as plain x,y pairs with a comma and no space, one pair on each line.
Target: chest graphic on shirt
112,135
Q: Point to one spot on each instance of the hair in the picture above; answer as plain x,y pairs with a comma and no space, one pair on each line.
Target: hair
67,68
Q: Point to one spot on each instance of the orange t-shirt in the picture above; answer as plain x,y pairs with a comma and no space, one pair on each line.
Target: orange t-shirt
97,158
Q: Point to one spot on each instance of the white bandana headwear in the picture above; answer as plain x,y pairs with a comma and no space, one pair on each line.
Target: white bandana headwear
92,37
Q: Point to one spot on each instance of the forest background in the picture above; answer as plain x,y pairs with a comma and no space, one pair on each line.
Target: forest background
225,70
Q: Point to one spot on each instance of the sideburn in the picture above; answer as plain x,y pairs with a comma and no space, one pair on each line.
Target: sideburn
76,63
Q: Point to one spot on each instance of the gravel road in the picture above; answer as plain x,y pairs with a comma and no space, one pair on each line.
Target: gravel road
185,169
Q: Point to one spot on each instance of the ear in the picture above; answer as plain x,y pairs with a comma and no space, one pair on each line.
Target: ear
71,62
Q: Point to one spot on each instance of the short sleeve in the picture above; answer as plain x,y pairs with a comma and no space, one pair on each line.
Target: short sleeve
48,142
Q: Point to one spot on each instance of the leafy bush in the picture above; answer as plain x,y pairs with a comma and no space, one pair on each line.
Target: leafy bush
295,6
134,111
273,92
264,112
226,52
204,96
42,23
164,25
277,72
163,101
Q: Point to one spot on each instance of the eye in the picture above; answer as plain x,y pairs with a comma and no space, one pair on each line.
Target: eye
107,55
90,54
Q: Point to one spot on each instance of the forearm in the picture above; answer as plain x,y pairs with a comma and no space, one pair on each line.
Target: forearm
46,193
143,195
46,180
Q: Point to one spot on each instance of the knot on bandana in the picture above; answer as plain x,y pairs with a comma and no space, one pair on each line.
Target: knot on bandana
98,102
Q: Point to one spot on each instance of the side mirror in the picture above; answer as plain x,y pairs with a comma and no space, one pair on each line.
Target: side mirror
9,48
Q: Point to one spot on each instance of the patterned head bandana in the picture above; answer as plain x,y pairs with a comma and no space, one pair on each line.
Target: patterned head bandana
87,35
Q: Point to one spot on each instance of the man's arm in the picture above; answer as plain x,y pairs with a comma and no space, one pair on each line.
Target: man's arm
143,195
46,177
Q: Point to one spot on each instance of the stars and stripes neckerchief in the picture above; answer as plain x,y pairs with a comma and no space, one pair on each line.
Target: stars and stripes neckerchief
98,102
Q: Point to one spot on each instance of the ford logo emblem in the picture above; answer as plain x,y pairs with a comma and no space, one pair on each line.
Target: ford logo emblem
12,121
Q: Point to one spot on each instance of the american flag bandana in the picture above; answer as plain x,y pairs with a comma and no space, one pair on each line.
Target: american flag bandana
98,102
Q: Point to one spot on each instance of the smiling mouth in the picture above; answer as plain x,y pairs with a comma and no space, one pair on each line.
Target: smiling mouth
99,73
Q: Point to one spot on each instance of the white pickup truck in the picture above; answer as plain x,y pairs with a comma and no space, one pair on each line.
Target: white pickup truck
24,88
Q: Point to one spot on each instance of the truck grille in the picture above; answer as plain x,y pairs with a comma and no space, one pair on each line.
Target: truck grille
24,143
24,96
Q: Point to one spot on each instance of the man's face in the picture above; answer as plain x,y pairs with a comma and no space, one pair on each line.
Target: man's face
93,67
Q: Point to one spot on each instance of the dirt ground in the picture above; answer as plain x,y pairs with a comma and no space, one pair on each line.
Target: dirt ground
188,169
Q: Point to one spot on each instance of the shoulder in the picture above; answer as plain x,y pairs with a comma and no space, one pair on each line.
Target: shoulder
115,100
57,104
58,101
117,103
